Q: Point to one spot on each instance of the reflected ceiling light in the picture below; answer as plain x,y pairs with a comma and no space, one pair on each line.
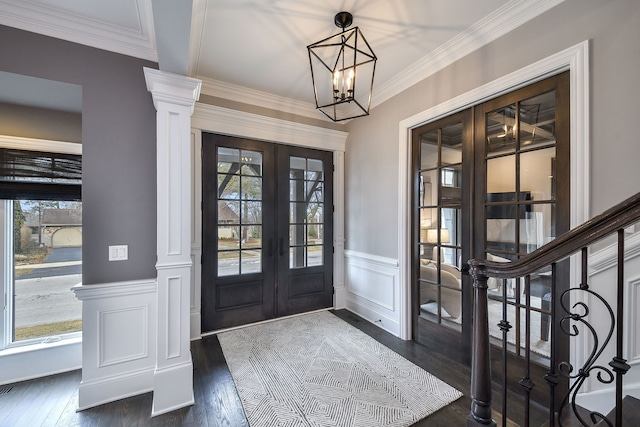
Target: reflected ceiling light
342,71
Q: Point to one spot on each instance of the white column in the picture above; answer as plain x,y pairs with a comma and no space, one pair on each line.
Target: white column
174,97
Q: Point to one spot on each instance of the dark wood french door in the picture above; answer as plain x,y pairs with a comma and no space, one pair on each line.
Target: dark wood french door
490,182
267,230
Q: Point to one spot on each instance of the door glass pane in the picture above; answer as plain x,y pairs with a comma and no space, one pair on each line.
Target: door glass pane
451,144
536,173
428,222
306,212
314,213
501,177
538,121
429,150
314,255
296,234
228,263
251,188
315,170
297,167
239,211
228,237
501,130
251,237
228,160
251,212
428,190
251,262
228,186
251,163
538,228
297,257
501,227
228,212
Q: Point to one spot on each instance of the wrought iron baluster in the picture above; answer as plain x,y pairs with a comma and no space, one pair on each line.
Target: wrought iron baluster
504,326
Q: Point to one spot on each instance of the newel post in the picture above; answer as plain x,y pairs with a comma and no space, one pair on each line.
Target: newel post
480,414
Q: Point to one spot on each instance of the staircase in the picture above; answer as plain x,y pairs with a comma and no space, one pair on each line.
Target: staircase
557,386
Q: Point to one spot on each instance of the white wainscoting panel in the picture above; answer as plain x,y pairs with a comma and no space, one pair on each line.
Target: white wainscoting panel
372,289
119,340
603,271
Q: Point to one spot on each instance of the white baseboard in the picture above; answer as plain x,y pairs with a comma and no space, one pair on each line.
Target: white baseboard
603,401
105,390
195,328
173,388
388,324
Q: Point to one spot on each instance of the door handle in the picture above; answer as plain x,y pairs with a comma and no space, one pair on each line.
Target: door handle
281,246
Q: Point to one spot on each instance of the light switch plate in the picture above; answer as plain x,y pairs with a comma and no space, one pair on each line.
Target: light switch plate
119,253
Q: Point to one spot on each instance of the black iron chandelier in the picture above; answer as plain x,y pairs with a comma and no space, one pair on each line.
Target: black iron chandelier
342,71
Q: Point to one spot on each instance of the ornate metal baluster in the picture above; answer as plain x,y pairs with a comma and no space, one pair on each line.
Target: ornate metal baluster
578,313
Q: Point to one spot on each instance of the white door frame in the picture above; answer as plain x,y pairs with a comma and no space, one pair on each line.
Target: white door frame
210,118
576,60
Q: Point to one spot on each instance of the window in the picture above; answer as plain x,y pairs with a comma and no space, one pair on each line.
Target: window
41,251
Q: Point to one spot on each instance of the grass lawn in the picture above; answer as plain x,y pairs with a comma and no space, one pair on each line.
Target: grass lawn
48,329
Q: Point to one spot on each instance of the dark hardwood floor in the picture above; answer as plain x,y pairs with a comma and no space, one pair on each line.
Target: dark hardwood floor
52,401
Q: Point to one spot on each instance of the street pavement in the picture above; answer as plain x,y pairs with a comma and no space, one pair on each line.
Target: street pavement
44,295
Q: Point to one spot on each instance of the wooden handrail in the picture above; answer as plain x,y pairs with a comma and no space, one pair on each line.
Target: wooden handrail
619,216
607,223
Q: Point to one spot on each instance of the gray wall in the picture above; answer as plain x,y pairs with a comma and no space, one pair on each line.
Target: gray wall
119,155
371,159
40,123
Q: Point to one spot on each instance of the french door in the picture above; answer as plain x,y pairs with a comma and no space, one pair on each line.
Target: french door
491,182
267,230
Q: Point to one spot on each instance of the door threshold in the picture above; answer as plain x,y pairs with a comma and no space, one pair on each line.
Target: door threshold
218,331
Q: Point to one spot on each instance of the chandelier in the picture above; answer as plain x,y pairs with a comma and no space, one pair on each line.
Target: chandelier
342,71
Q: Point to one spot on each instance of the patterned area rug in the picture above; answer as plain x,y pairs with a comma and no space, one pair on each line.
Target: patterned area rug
317,370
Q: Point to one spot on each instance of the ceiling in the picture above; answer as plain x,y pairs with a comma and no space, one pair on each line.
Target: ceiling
254,51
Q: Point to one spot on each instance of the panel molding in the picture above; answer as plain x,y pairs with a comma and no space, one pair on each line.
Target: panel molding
119,340
372,289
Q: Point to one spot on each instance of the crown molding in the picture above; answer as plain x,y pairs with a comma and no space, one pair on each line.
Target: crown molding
500,22
258,98
53,22
505,19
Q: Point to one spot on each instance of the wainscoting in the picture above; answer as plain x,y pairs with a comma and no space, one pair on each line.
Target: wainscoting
372,289
603,270
119,340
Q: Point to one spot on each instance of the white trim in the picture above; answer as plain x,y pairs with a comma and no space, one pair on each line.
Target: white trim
225,121
40,360
258,98
32,144
120,386
505,19
55,22
115,289
607,258
575,59
372,259
237,123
